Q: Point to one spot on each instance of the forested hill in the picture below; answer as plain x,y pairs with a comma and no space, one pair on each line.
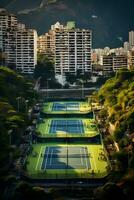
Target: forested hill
117,96
13,85
13,117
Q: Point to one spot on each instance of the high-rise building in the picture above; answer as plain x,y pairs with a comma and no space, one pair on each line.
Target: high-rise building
72,50
107,62
113,62
131,39
17,43
119,62
131,59
106,50
46,44
126,46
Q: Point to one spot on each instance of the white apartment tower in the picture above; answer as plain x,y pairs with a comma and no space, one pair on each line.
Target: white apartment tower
120,62
113,62
45,44
72,50
131,39
126,47
69,47
18,43
131,59
107,62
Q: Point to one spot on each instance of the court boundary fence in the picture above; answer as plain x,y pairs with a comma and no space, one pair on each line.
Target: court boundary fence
45,174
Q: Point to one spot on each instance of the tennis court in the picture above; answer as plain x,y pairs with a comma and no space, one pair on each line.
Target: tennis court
67,126
62,107
65,158
60,161
66,106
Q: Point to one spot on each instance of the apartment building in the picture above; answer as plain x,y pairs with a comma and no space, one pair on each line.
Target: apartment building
70,48
73,50
131,39
45,44
126,46
130,59
18,43
113,62
119,62
107,63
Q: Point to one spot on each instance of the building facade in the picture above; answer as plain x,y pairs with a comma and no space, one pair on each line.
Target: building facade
18,43
107,63
131,59
126,46
113,63
120,62
131,39
45,45
73,50
70,48
46,42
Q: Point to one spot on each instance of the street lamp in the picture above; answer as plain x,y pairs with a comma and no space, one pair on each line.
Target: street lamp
10,136
18,103
82,89
37,84
26,104
48,85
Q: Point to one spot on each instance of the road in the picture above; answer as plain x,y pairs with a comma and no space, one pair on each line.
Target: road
67,93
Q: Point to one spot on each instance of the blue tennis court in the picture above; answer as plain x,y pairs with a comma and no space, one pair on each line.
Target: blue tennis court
67,126
66,158
66,106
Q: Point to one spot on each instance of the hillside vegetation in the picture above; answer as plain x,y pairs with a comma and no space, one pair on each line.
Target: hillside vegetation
13,117
117,96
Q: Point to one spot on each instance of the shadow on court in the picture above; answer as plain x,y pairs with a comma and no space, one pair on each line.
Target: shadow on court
62,158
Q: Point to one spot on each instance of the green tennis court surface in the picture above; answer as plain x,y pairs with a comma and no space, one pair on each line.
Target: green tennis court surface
72,127
66,107
54,161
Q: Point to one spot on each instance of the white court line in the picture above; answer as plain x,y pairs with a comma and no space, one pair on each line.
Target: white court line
81,124
78,125
46,158
47,126
38,158
79,128
93,158
54,126
85,157
81,157
51,157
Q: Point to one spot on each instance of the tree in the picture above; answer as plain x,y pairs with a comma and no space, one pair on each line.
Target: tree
44,68
122,160
26,191
12,122
127,184
110,191
70,78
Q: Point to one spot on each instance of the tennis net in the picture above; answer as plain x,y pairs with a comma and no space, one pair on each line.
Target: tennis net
53,155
